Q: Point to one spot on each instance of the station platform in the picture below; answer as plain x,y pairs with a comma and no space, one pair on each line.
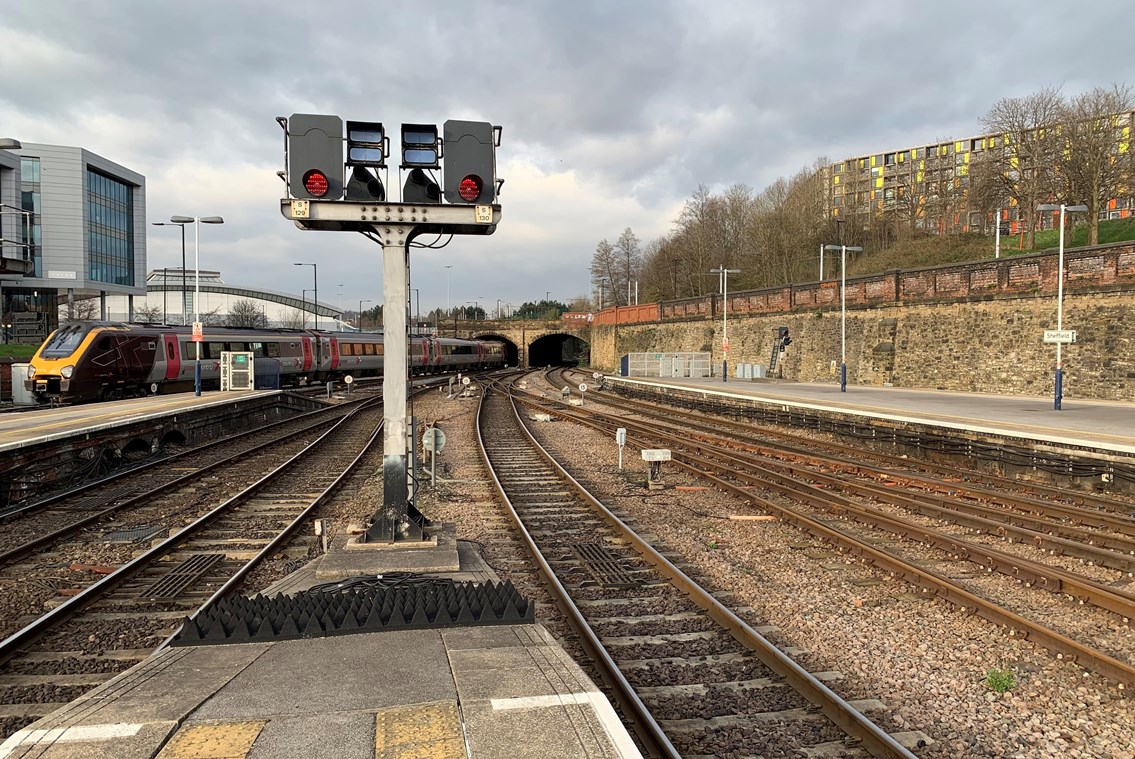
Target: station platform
488,692
18,430
1098,425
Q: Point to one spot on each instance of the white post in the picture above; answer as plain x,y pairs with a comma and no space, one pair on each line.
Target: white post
843,318
197,300
997,245
1060,290
821,262
636,292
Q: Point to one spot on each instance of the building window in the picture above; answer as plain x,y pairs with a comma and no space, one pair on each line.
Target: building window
889,159
31,231
110,230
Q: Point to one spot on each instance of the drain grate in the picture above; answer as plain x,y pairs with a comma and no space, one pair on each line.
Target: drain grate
186,573
605,567
144,532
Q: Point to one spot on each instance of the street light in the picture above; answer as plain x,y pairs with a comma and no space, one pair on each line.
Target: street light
843,309
197,221
499,301
447,268
184,310
417,306
724,312
361,302
1059,393
303,308
315,275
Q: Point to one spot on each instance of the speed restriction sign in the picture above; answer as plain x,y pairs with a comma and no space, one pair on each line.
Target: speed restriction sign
583,387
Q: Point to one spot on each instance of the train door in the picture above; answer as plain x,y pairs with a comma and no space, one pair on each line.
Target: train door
306,343
172,357
334,354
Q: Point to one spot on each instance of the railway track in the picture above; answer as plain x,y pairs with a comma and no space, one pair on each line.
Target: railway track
119,619
692,678
807,497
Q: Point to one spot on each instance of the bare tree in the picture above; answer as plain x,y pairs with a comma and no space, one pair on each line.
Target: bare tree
1029,149
1094,168
294,319
604,269
628,260
245,313
80,310
149,314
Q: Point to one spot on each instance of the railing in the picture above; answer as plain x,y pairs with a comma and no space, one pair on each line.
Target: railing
1103,267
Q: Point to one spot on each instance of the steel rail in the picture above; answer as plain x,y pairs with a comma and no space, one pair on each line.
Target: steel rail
1104,506
283,535
19,552
872,738
1118,671
46,503
10,646
642,721
1031,572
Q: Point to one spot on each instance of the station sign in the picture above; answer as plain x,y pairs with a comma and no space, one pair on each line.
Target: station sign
1060,336
198,332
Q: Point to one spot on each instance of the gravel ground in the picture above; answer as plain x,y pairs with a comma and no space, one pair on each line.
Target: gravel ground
925,660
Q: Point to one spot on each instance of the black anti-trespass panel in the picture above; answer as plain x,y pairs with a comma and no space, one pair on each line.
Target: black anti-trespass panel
346,608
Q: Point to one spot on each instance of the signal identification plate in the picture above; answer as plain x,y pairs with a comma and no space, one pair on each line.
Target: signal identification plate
301,209
483,214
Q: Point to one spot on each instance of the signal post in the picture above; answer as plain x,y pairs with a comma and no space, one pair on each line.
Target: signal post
315,177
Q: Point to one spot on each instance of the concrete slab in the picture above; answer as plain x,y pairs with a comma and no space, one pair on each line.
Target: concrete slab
347,673
320,736
565,731
347,559
143,694
109,741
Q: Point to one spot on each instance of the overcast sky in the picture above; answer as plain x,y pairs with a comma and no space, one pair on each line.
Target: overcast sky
613,112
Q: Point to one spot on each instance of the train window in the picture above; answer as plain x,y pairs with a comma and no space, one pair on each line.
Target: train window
370,350
169,351
103,344
272,350
214,349
345,349
257,349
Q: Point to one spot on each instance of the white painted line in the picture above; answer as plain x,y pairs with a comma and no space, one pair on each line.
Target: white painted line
537,702
605,713
67,735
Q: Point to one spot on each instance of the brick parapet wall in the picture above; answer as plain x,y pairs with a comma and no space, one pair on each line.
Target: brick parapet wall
948,328
1102,268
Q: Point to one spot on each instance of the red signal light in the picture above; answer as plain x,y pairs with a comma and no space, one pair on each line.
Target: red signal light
315,182
470,188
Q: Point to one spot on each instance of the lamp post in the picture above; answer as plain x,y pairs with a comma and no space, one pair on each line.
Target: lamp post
315,306
721,270
1059,391
499,301
447,268
196,221
843,309
361,302
184,310
303,309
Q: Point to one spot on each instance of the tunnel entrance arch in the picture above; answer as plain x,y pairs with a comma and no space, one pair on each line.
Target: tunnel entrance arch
511,351
559,349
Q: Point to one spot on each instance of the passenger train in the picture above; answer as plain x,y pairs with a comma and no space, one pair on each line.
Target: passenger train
100,360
